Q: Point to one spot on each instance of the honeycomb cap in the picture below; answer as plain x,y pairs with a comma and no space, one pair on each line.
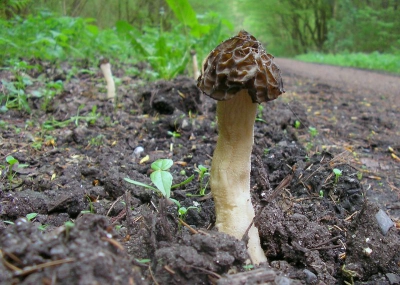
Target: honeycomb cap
239,63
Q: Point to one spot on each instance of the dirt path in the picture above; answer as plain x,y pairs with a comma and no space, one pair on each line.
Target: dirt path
349,78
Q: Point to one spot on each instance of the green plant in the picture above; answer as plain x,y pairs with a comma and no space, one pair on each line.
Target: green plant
90,118
42,227
182,211
297,124
11,163
259,118
162,179
174,134
51,90
313,132
374,60
321,193
97,141
203,173
31,216
68,227
91,208
337,173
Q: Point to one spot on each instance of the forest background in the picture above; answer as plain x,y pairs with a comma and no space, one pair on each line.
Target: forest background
162,33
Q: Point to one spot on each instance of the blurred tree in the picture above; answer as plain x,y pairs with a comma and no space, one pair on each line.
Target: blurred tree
10,8
365,26
298,26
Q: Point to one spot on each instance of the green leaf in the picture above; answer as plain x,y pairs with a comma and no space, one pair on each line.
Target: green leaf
31,216
188,180
11,160
162,164
176,202
140,184
163,181
184,12
94,30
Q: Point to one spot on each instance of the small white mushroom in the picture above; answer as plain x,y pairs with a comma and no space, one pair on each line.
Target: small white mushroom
105,67
196,72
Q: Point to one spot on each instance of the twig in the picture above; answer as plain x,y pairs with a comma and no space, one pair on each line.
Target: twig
192,230
113,204
30,269
128,211
152,276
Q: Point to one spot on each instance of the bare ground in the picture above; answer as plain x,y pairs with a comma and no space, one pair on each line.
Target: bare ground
314,229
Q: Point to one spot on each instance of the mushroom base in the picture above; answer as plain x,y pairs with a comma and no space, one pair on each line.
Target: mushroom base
230,171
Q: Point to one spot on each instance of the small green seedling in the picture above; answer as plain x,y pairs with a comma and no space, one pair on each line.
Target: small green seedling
321,194
337,173
144,260
161,178
248,267
31,216
203,172
182,211
313,132
11,162
259,118
297,124
68,227
174,134
42,227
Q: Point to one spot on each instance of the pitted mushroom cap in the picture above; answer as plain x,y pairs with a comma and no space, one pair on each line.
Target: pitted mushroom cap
241,63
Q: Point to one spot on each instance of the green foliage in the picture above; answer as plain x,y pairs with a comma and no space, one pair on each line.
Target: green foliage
337,173
9,8
366,27
168,51
165,46
13,94
50,37
90,118
374,60
292,27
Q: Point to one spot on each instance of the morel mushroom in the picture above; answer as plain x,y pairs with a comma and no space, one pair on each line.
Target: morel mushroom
239,74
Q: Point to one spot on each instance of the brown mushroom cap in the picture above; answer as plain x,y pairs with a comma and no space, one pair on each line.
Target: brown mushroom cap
241,63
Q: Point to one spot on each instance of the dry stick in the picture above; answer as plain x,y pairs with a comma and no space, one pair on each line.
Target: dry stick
128,211
152,276
325,242
192,230
30,269
113,204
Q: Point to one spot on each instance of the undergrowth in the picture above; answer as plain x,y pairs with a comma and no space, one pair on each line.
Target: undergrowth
375,60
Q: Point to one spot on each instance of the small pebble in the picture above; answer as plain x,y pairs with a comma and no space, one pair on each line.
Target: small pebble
384,221
310,277
394,279
138,151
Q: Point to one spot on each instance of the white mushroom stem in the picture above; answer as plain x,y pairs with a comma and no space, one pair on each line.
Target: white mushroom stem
230,171
106,69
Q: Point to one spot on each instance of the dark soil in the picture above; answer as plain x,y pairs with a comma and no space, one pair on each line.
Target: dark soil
314,229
